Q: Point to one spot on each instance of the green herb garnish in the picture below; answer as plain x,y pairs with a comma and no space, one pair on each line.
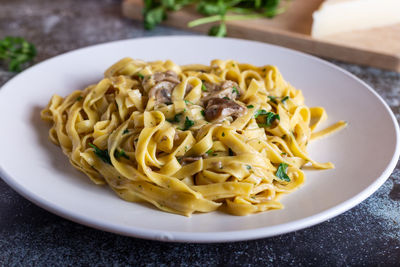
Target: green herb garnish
203,113
270,117
281,172
188,102
176,118
226,98
79,98
260,112
250,106
221,11
230,152
235,90
273,99
15,52
284,99
248,167
121,153
188,123
102,154
141,76
126,131
203,87
223,134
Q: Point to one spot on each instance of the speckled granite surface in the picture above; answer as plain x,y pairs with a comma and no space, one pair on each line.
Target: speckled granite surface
368,234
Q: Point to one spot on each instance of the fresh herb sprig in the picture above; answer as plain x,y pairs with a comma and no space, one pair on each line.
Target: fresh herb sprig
15,52
215,11
102,154
281,172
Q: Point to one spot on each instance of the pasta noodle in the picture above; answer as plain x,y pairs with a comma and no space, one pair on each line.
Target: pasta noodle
190,138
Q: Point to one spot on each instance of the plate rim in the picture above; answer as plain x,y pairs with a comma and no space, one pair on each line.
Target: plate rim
221,236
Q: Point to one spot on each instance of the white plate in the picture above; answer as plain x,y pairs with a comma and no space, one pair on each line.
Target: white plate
365,153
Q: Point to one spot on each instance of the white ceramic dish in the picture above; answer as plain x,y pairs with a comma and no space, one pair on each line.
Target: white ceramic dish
365,153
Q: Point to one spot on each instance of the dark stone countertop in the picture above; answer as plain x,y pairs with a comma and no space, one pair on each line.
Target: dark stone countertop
368,234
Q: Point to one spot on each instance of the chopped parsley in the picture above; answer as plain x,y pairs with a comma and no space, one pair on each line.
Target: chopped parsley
260,112
211,153
248,167
273,99
188,123
226,98
203,113
270,117
121,153
281,172
235,90
102,154
141,76
79,98
188,102
203,88
223,134
126,131
284,99
176,118
250,106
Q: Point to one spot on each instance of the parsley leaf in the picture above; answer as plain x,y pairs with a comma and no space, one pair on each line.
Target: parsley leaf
176,118
126,131
250,106
203,88
141,76
273,99
188,123
102,154
281,172
218,30
15,52
284,99
235,90
270,117
121,153
188,102
260,112
79,98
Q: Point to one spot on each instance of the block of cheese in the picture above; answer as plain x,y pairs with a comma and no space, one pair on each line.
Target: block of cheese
335,16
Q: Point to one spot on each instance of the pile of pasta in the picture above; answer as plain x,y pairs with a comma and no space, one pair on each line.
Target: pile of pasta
170,155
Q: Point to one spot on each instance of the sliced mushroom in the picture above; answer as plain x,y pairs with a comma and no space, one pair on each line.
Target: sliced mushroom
228,89
160,85
167,76
219,108
162,92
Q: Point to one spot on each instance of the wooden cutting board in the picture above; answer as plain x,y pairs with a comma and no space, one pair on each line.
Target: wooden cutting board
379,47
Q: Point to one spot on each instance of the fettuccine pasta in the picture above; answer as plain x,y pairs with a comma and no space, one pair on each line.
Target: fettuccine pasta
191,138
